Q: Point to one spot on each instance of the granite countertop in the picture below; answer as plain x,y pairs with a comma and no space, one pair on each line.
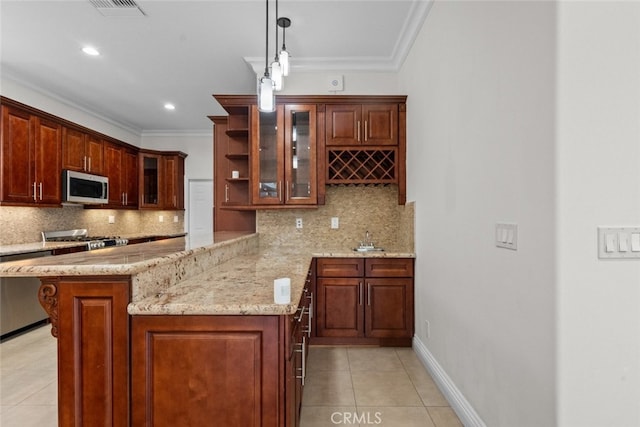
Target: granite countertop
243,285
232,277
26,248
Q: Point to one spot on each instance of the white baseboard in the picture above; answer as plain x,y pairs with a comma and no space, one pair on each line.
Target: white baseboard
468,416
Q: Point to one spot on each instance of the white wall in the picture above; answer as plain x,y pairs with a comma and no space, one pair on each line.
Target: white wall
480,79
598,164
47,102
355,83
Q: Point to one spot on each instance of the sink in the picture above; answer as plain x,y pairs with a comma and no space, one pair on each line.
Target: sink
368,249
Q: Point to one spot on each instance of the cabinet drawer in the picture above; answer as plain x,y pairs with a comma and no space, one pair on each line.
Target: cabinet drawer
340,267
389,267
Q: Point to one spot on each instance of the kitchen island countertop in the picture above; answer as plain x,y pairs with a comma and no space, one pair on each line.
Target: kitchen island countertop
230,277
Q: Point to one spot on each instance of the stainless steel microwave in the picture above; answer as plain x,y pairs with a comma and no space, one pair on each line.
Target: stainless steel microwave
79,187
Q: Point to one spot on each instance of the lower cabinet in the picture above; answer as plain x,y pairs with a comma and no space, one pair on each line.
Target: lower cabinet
206,370
364,301
90,320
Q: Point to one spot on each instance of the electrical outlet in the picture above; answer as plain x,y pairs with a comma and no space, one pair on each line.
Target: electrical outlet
427,329
112,219
160,218
335,222
175,218
298,222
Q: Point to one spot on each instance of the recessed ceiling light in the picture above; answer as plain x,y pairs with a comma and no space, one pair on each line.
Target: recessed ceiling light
90,51
169,106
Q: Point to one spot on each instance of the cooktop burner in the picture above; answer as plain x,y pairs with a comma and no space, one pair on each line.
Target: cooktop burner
81,235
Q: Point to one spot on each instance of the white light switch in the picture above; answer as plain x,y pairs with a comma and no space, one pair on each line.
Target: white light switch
619,242
623,243
635,242
610,242
507,236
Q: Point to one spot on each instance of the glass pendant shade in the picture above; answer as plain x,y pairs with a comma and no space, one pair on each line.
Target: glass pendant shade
276,75
284,61
266,95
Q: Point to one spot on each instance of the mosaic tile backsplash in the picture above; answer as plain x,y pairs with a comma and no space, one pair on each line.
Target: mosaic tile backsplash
24,224
359,209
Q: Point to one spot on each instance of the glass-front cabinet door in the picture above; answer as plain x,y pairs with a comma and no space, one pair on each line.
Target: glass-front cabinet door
150,180
284,156
267,164
300,154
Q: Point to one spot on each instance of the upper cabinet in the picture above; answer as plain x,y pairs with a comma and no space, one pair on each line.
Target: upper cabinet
31,159
362,124
284,156
36,146
161,180
307,143
121,166
81,151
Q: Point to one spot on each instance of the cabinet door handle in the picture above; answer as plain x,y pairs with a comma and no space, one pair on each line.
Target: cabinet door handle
359,293
40,190
287,184
35,197
358,130
369,294
122,199
226,193
310,315
280,190
84,163
302,350
365,131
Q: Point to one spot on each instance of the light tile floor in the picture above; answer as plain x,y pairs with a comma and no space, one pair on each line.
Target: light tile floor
28,380
362,386
345,386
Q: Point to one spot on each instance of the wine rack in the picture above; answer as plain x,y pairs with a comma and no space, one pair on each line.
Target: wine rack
352,166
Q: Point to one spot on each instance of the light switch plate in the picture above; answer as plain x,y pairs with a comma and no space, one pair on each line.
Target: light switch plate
619,242
507,236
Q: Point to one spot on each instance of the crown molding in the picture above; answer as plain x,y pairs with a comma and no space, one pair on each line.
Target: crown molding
393,63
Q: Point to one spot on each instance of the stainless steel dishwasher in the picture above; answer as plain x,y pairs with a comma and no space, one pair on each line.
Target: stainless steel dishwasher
19,305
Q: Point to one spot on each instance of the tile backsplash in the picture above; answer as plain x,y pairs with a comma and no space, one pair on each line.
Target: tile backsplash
358,208
24,224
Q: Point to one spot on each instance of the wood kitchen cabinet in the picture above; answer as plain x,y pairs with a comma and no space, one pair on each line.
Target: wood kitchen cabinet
283,156
161,180
362,124
90,320
364,301
81,151
206,370
231,153
174,181
31,159
121,166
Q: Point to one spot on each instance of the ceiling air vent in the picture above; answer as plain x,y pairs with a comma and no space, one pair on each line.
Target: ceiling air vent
118,7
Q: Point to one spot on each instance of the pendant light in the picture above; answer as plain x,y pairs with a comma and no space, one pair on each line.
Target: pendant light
276,69
284,23
266,94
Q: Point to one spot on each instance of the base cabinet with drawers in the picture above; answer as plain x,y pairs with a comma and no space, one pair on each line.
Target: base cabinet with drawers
364,301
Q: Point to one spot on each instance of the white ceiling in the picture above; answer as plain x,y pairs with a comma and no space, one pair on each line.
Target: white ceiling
185,51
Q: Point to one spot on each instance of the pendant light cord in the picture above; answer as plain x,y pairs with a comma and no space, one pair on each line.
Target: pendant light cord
276,57
266,49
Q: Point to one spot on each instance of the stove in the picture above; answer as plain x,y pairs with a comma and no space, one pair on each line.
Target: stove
81,235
